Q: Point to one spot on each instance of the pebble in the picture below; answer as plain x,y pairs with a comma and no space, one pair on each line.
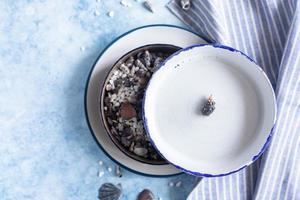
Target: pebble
100,162
143,81
178,184
82,48
109,169
146,195
140,151
127,111
111,14
171,184
96,13
125,3
118,171
100,174
109,87
185,4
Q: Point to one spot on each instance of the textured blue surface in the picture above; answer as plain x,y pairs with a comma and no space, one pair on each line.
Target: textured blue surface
46,149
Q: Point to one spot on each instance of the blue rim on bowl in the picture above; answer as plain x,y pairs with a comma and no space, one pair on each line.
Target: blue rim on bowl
267,141
87,86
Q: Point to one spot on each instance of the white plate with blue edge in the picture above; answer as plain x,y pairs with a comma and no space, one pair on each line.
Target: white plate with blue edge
152,34
234,135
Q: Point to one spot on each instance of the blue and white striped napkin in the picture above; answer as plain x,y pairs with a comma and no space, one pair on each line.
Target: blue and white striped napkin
269,32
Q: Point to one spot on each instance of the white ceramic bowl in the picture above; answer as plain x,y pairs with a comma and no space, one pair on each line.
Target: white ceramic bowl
234,135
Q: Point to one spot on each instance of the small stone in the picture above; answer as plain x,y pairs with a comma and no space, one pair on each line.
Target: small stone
131,147
100,162
129,61
125,3
149,6
82,48
111,14
109,169
140,151
126,142
100,174
185,4
96,13
109,87
140,65
171,184
127,111
147,58
157,63
178,184
146,195
127,131
118,171
143,81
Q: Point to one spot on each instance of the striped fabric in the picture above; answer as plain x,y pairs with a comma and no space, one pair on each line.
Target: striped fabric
269,32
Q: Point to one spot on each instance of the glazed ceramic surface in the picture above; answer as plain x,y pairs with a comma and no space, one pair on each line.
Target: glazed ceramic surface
234,135
129,41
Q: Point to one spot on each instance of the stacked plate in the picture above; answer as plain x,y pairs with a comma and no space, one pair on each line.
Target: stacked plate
229,139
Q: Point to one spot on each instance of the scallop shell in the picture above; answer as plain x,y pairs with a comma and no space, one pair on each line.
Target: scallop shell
109,191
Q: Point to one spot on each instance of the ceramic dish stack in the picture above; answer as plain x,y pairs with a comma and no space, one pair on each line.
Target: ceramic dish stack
234,134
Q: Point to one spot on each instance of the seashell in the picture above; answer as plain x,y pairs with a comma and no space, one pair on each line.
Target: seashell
109,191
146,195
185,4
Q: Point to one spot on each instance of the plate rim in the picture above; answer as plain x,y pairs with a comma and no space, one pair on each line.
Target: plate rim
268,139
87,86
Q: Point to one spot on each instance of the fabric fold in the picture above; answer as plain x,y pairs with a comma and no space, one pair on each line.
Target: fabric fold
269,32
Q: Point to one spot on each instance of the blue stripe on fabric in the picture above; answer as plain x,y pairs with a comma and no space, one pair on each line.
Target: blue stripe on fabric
268,31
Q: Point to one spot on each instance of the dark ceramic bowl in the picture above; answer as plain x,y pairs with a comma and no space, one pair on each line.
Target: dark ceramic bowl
163,48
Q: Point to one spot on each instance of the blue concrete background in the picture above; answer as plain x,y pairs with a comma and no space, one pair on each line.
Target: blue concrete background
47,49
